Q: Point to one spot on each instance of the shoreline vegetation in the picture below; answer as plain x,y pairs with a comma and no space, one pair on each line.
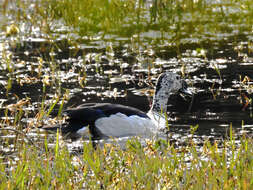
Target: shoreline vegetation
158,22
155,165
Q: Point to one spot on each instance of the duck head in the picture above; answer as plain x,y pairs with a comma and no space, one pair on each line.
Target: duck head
169,85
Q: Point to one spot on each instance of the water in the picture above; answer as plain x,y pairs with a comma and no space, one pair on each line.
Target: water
120,76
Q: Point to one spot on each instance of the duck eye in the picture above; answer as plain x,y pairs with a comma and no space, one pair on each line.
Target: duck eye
177,77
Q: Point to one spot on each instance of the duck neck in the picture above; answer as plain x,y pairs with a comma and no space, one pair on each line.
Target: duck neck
159,104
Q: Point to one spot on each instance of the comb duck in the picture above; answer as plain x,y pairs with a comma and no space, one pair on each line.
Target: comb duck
105,120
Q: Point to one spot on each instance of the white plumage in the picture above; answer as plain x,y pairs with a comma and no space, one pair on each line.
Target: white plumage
119,125
84,131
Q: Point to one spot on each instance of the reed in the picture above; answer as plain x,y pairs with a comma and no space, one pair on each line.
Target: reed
156,165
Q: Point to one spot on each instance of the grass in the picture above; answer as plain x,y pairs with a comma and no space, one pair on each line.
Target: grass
157,165
134,17
175,21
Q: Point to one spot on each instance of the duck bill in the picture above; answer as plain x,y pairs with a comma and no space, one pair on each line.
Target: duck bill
188,97
186,92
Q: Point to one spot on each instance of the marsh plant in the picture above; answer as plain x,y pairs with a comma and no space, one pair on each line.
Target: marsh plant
157,165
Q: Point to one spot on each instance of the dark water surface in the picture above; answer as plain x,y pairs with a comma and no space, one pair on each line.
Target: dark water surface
221,82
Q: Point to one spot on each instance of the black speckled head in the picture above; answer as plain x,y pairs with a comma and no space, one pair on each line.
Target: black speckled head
169,82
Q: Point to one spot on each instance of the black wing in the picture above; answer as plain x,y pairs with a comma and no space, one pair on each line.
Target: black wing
92,111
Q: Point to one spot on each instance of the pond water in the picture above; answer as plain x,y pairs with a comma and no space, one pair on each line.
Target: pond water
222,85
37,72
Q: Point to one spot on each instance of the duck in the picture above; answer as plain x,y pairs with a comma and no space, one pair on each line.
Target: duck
106,120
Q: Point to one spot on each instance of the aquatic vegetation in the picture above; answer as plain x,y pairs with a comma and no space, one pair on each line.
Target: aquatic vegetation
135,17
158,164
156,22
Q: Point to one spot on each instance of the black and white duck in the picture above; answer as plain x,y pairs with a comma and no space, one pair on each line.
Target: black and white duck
105,120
